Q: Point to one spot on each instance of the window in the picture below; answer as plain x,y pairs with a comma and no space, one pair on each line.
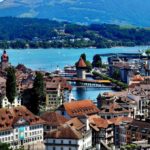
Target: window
61,141
69,148
53,141
69,142
61,148
53,148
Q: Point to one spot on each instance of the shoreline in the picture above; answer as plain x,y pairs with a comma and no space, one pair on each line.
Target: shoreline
30,48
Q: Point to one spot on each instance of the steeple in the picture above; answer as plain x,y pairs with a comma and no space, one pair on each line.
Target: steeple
4,57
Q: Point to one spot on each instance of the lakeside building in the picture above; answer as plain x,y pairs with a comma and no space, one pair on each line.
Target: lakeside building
128,66
78,109
58,91
18,126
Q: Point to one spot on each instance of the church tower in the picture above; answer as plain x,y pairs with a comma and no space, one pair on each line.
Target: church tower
4,60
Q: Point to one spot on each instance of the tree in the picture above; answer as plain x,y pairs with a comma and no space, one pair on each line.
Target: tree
38,93
116,74
5,146
97,61
11,84
83,57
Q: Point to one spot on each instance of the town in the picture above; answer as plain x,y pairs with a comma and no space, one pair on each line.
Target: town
39,112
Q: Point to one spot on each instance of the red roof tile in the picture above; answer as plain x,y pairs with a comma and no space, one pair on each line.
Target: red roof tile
64,132
80,108
10,116
53,118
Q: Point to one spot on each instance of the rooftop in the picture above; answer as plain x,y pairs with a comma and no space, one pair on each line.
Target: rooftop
53,118
15,116
80,108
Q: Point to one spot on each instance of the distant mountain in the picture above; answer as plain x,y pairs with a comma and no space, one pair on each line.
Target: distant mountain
127,12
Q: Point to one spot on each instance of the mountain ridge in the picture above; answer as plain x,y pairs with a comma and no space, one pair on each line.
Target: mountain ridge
133,12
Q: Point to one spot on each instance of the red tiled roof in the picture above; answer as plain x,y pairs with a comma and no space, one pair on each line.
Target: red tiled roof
76,123
113,108
118,120
80,108
81,63
56,81
10,116
138,78
53,118
64,132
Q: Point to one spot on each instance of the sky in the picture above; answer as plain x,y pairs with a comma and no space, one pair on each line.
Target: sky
1,0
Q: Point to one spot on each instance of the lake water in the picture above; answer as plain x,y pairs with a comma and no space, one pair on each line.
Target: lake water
49,59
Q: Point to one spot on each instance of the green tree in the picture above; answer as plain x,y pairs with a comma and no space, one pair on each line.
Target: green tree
83,57
5,146
116,74
97,61
11,84
89,65
38,93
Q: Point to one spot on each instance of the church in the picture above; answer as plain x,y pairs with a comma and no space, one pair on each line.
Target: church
4,61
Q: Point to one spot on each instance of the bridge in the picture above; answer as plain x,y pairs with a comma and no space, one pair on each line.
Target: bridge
136,55
78,82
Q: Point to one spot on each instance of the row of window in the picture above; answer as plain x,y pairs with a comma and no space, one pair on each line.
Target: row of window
4,133
35,132
6,139
54,148
10,138
62,142
35,127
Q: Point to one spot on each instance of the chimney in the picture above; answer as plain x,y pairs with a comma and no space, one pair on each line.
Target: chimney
87,123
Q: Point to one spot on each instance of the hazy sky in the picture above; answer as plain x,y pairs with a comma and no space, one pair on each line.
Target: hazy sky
1,0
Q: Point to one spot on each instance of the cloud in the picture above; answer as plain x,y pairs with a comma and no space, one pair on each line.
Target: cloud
1,1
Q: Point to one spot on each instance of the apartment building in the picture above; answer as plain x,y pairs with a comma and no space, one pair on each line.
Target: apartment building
18,126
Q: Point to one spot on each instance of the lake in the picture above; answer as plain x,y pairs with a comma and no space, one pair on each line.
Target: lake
49,59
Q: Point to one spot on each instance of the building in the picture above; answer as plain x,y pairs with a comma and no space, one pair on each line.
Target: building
114,110
140,93
2,86
4,61
67,137
138,130
6,104
53,120
81,69
119,130
18,126
78,109
58,90
102,131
